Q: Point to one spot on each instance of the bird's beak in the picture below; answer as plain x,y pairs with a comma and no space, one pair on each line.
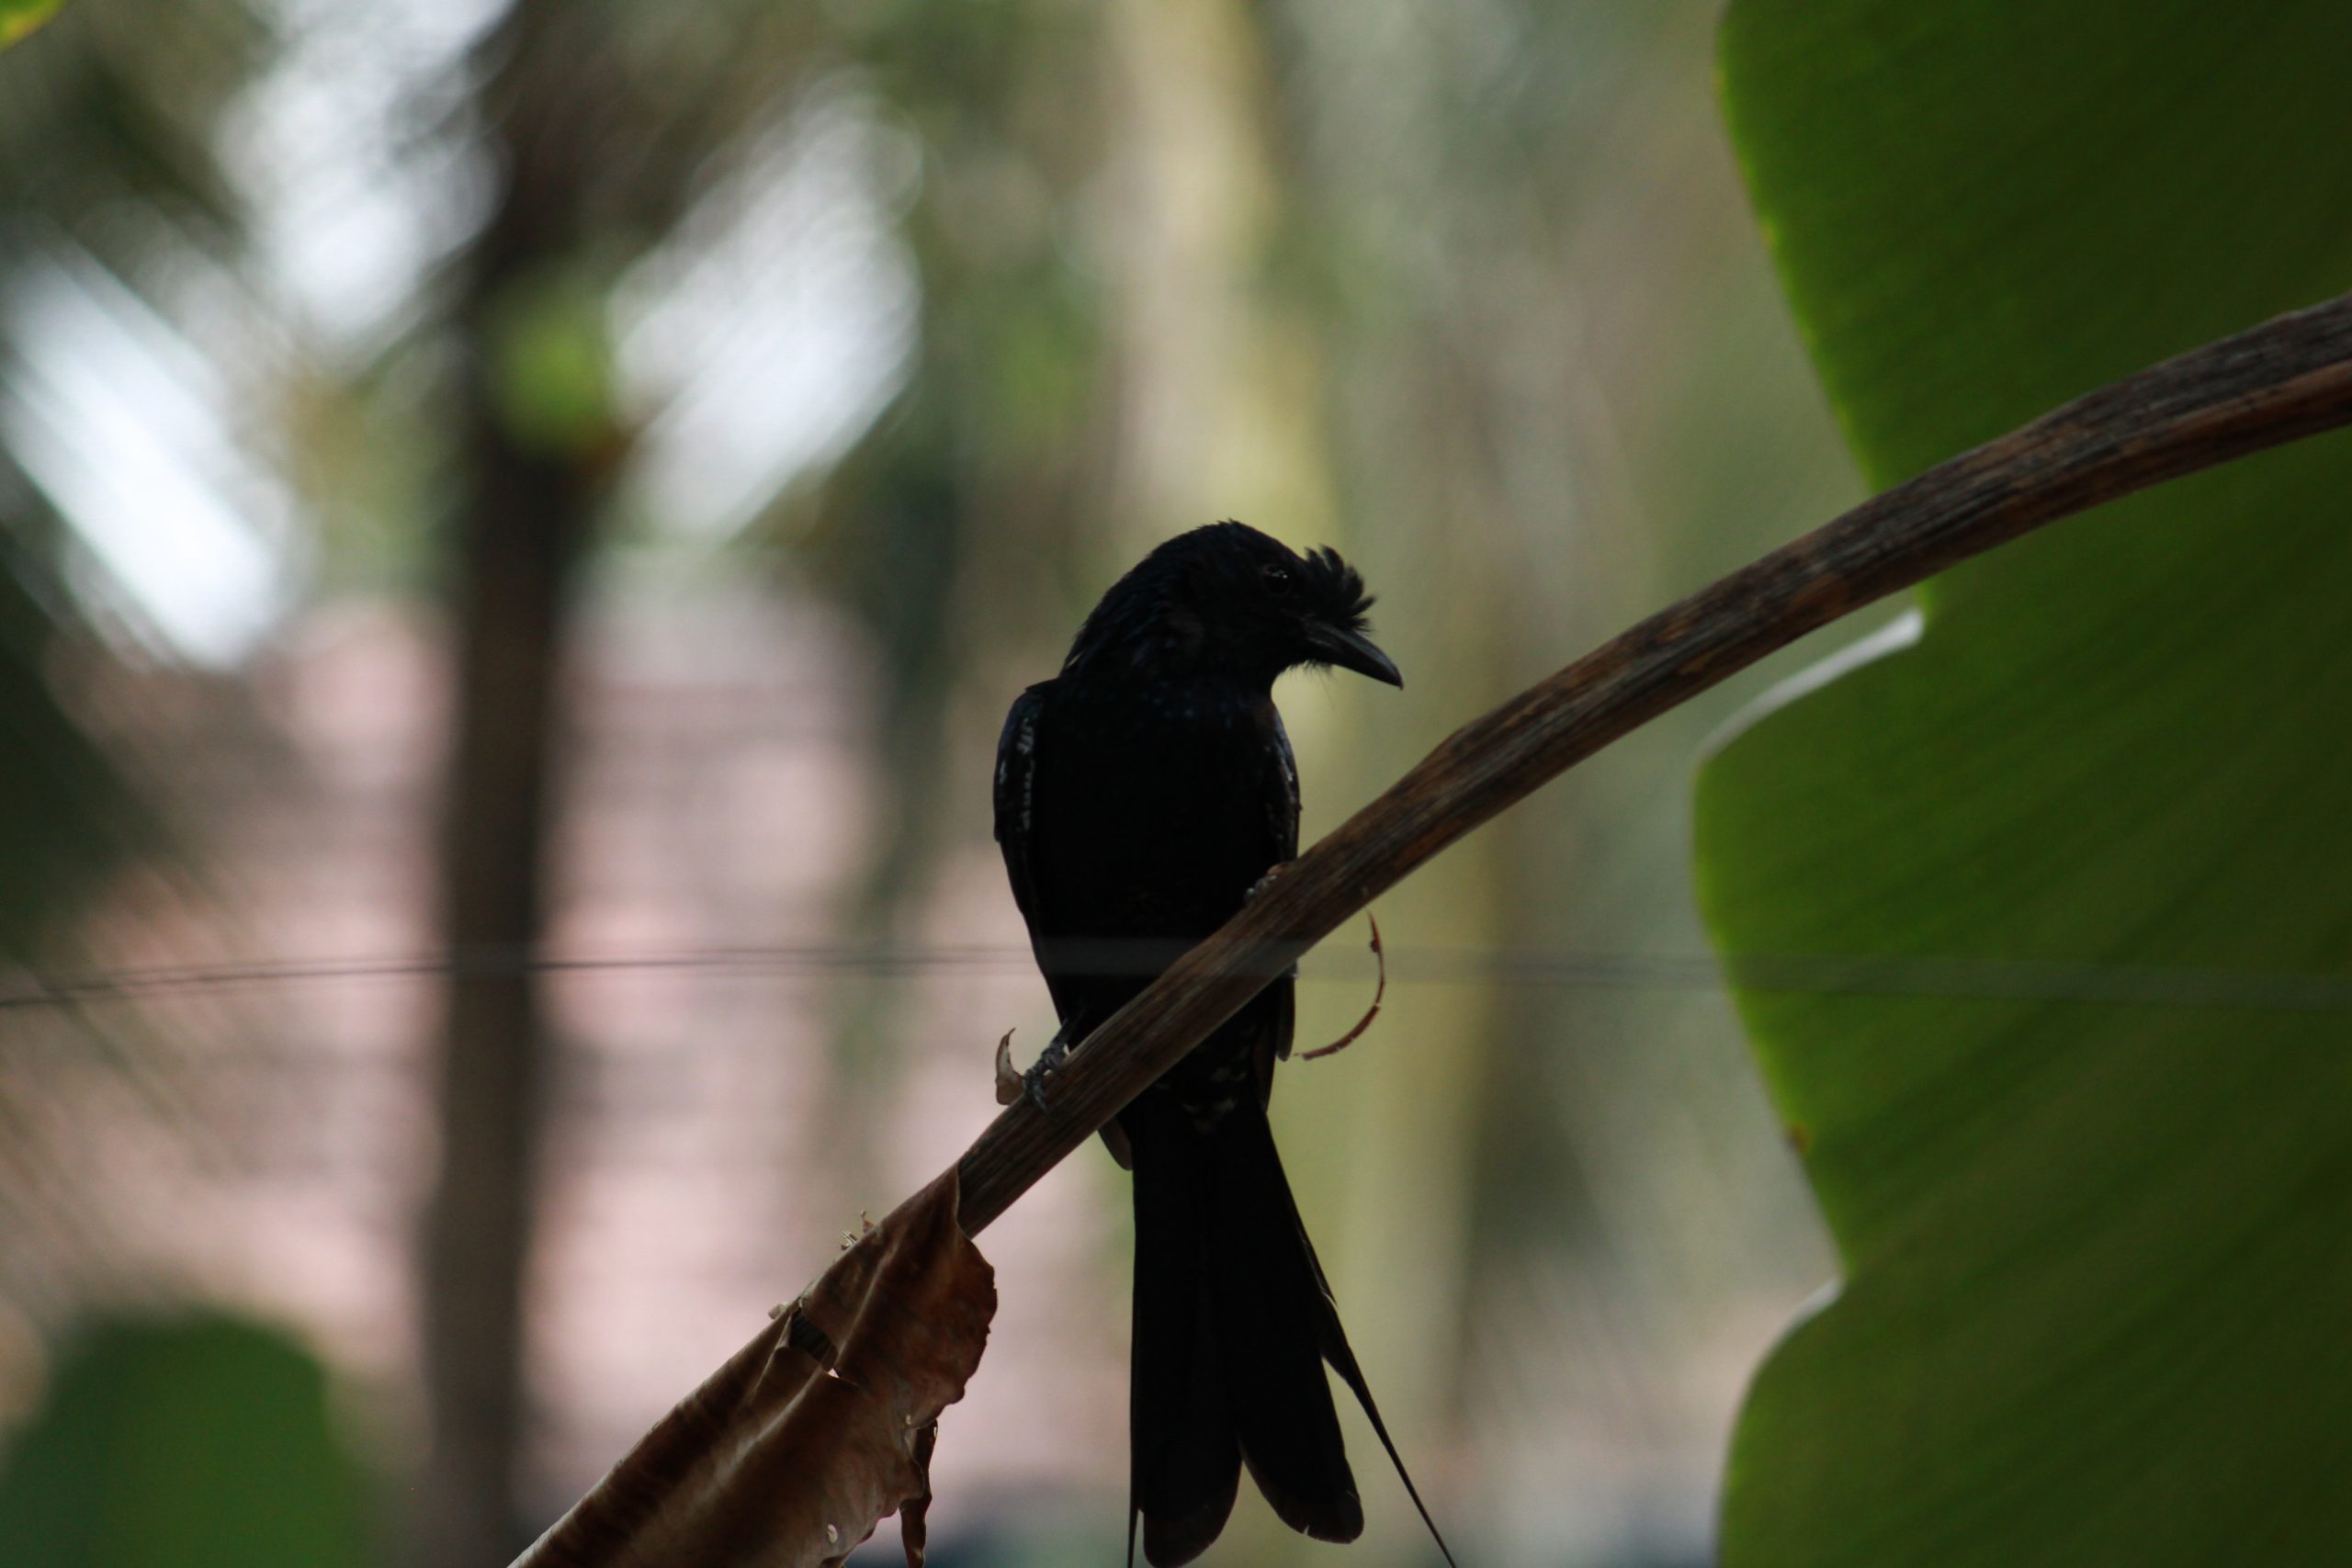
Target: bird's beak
1354,650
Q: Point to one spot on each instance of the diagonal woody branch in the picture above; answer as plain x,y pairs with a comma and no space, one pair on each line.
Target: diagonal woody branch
2287,378
739,1477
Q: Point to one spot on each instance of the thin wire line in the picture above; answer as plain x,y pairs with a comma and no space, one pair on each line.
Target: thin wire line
1791,973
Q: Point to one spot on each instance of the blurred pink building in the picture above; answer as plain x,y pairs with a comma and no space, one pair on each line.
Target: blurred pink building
242,1112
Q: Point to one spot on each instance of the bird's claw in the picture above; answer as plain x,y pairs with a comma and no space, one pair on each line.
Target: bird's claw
1008,1082
1266,881
1048,1062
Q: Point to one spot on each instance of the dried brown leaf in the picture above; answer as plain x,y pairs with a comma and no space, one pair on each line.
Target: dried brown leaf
790,1454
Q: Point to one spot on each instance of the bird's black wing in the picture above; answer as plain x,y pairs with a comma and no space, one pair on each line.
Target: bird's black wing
1282,792
1017,837
1279,791
1016,792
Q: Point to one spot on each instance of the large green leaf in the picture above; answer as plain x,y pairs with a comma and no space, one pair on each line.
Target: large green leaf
206,1442
2075,1089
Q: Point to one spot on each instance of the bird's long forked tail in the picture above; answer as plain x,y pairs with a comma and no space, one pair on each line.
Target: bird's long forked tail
1343,1357
1343,1361
1234,1322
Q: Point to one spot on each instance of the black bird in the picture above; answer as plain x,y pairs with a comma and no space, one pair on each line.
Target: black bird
1141,795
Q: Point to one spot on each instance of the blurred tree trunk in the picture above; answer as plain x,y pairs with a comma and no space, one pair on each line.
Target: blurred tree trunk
524,510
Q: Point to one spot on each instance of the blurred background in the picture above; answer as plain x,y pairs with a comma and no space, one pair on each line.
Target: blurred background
518,527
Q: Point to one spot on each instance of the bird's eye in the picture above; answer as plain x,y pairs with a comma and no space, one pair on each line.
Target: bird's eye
1279,580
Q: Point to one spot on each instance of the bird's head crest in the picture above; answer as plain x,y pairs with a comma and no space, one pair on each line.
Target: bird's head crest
1227,599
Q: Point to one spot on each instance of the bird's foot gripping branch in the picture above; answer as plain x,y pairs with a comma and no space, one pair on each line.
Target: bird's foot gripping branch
1031,1085
688,1494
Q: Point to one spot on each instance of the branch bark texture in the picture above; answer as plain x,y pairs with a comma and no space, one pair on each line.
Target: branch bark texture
2288,378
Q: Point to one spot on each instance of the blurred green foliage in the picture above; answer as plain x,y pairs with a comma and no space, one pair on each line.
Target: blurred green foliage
18,18
552,364
202,1442
2090,1171
102,136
